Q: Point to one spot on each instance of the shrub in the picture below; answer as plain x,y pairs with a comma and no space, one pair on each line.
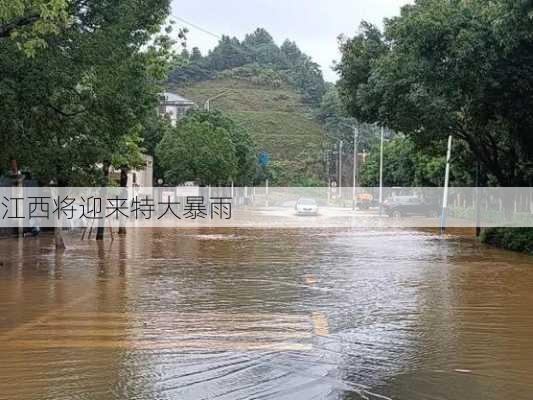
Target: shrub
516,239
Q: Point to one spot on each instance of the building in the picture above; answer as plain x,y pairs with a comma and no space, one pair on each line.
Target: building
174,106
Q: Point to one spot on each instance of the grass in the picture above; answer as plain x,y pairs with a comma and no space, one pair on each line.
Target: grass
275,116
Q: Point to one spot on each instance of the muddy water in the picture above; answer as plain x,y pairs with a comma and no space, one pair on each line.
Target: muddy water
246,314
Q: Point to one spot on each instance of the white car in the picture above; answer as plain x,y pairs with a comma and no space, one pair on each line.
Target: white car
306,207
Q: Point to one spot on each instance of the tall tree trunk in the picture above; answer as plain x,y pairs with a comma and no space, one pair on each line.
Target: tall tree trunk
60,243
14,167
58,236
17,182
124,185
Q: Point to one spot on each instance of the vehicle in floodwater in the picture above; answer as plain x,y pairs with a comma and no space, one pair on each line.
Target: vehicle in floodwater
401,206
306,207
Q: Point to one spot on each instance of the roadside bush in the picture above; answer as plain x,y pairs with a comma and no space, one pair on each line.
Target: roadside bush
516,239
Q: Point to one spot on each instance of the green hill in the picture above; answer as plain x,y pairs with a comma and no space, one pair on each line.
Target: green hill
274,114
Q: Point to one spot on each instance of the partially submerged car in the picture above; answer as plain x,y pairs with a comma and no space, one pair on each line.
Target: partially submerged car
401,206
306,206
365,201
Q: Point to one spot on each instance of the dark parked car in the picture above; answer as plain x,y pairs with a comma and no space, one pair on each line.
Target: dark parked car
400,206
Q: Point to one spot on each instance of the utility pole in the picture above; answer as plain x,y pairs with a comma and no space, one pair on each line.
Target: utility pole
446,185
355,139
266,194
381,171
355,131
478,216
207,108
340,169
328,173
101,222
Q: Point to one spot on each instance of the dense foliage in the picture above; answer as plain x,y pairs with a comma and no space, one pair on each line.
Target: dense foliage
516,239
461,68
404,165
207,148
81,93
409,165
28,22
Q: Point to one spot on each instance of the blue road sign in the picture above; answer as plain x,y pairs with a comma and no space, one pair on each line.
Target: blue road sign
264,159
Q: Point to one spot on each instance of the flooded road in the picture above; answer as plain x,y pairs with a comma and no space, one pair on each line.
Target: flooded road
248,314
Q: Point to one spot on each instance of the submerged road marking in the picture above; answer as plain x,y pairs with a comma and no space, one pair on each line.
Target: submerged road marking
209,345
43,318
320,324
166,330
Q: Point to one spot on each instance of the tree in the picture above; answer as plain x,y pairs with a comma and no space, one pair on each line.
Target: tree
291,52
331,112
196,55
227,54
29,21
268,54
404,165
336,121
258,38
245,149
77,101
450,68
407,165
208,148
307,77
185,55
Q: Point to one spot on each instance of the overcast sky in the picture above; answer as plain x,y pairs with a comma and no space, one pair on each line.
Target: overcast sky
313,24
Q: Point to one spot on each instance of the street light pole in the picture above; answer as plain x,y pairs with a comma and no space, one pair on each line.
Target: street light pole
354,182
207,108
207,104
355,139
381,171
476,194
340,168
446,185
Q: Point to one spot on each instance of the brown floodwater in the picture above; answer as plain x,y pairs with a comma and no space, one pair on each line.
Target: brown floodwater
249,314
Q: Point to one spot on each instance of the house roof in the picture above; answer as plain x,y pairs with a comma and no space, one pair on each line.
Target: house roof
175,98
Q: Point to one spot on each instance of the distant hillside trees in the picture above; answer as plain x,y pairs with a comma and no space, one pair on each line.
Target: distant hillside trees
258,38
227,55
291,52
257,48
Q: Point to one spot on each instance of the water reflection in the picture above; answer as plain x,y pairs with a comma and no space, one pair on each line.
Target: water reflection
237,314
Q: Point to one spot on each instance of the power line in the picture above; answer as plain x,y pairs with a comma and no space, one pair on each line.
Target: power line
195,26
243,46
